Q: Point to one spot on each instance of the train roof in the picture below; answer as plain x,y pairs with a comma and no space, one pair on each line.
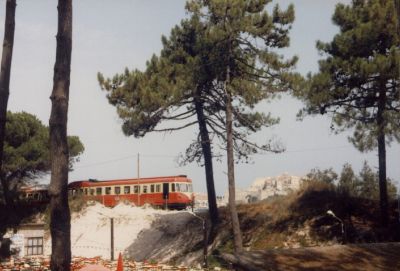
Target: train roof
33,188
95,182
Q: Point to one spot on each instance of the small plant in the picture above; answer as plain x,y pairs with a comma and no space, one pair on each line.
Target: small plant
152,262
76,203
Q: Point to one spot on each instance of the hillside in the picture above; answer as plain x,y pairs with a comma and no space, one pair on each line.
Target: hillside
284,229
362,257
293,221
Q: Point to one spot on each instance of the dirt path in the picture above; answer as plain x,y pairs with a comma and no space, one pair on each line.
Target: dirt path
365,257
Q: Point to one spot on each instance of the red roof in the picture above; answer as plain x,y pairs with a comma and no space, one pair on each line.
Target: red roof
90,182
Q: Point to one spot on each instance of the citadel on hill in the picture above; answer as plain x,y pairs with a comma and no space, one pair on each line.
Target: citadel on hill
261,188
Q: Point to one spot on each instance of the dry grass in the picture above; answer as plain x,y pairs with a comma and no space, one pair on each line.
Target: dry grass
300,219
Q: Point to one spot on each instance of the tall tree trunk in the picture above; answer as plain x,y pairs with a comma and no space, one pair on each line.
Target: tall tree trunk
237,235
207,154
397,4
60,224
383,198
6,59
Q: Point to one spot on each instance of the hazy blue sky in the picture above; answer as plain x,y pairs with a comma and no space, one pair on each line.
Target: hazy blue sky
111,35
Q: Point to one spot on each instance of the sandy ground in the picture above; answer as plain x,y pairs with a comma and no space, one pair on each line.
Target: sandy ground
176,237
91,230
363,257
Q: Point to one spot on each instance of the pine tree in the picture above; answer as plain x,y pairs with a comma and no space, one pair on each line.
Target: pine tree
60,219
359,80
27,150
242,34
176,81
5,72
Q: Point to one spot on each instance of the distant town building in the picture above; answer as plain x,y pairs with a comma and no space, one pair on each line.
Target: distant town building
260,189
266,187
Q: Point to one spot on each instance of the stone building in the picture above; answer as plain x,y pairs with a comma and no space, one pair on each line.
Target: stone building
27,239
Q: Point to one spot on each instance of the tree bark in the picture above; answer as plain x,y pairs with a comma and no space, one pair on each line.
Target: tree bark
208,164
60,224
241,262
6,60
237,235
397,5
383,198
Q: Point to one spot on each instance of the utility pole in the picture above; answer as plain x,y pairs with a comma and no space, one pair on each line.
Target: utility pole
397,4
138,177
112,238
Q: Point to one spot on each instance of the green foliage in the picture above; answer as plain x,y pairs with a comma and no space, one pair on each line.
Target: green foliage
348,181
368,186
26,149
76,203
359,79
326,176
364,185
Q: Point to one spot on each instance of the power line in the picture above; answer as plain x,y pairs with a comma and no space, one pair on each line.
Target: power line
174,156
124,158
318,149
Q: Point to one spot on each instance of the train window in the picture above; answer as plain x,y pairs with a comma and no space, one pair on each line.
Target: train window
136,189
98,191
127,189
91,191
172,187
108,190
144,189
158,188
152,188
117,190
180,187
86,192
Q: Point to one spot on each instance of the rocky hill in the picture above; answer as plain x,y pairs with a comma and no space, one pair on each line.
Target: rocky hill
265,187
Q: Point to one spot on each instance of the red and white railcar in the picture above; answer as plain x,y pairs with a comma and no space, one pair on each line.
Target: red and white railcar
174,192
35,195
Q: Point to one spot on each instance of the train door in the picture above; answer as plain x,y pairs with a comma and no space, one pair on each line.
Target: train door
166,194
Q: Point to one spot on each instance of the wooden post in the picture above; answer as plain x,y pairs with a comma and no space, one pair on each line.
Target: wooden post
138,177
112,238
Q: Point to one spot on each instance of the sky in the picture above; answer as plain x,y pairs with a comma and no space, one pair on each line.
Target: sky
111,35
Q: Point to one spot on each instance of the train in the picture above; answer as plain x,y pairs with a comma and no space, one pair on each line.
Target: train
172,192
34,195
169,192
